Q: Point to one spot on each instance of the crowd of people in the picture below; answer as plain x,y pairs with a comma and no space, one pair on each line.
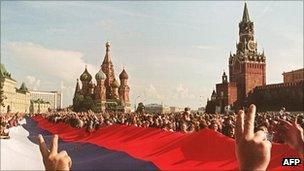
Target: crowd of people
185,122
250,129
7,121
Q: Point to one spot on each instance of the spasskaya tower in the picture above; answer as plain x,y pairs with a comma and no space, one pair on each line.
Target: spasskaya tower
247,67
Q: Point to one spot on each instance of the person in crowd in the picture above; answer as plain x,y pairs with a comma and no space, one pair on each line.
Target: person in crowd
8,121
293,135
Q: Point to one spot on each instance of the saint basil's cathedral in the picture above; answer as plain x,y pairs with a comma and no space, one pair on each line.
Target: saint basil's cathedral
107,93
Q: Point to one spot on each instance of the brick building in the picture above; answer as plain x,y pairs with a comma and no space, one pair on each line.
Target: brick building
247,69
247,79
293,76
288,94
272,97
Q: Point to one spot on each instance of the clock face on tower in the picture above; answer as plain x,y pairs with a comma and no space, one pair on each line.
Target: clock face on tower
251,45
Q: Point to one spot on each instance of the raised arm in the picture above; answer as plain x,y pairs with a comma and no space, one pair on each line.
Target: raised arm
293,135
53,160
252,149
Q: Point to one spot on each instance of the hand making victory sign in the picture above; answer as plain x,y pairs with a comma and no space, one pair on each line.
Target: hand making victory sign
51,158
252,149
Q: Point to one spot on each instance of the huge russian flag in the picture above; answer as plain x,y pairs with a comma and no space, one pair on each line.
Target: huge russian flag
121,147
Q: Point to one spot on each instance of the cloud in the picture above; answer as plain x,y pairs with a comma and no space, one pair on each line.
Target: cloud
32,82
58,67
183,92
151,93
267,8
180,95
204,47
68,92
288,49
63,64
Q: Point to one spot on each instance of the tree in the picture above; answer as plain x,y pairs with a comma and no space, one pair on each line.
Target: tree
140,107
83,103
77,102
3,74
88,103
2,97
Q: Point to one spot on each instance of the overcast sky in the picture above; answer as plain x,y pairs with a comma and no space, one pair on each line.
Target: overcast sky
174,52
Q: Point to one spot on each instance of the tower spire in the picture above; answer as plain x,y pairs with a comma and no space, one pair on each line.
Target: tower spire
224,77
108,46
245,14
107,55
108,69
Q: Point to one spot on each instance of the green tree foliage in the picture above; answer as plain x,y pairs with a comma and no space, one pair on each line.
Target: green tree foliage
77,102
83,103
88,103
140,108
2,97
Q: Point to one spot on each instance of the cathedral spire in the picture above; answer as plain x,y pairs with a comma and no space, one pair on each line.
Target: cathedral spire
107,55
224,77
123,75
77,89
108,46
245,14
108,69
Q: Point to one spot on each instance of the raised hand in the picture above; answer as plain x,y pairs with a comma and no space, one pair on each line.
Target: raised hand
53,160
293,135
252,149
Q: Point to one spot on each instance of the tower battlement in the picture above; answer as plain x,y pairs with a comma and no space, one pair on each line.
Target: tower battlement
280,85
